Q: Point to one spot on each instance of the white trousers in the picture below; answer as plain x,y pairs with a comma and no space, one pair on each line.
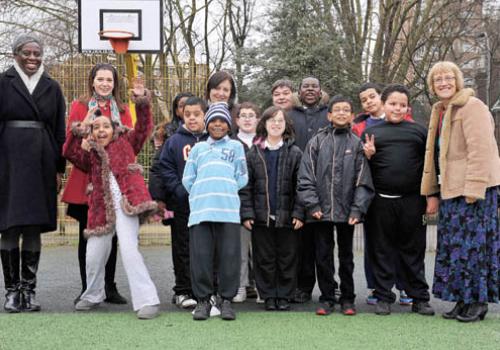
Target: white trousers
142,288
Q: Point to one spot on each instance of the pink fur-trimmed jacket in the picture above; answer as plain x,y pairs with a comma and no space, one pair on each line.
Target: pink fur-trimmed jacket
118,157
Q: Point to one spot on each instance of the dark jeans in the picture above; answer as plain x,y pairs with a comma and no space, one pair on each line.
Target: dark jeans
325,243
275,260
397,235
180,253
209,241
306,273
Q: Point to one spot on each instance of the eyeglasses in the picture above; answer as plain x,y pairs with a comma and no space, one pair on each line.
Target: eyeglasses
440,80
276,121
341,110
247,116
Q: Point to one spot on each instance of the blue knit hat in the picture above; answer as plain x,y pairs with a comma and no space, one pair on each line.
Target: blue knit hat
218,110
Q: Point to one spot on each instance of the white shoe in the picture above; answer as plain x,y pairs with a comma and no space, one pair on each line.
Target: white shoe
148,312
185,301
241,296
258,300
214,311
85,305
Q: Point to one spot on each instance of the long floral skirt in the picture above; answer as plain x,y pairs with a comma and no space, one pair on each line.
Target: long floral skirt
468,250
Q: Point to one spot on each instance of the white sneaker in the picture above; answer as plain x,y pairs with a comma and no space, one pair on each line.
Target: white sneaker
85,305
185,301
241,296
258,300
214,311
148,312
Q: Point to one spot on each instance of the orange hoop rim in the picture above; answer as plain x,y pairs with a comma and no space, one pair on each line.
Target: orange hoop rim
116,34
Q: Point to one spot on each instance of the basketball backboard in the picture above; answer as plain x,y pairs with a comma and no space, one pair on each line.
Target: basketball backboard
144,18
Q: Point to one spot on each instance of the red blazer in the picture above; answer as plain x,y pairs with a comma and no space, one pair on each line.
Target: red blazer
118,158
76,186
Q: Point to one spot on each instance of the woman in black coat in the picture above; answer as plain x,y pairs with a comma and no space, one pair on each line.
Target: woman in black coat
32,132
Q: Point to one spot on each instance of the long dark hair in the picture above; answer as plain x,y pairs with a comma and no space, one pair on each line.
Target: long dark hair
116,84
175,104
269,113
215,80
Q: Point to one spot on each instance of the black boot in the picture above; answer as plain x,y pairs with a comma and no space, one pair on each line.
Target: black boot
453,313
10,264
112,295
473,312
29,268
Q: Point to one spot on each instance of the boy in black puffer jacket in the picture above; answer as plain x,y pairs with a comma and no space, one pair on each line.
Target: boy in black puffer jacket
270,210
335,186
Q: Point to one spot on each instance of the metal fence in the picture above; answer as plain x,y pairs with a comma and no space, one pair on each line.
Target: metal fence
165,81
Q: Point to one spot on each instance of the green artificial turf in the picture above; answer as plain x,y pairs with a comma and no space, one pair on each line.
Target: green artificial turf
252,330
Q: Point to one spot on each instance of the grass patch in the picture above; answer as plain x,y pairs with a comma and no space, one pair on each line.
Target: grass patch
252,330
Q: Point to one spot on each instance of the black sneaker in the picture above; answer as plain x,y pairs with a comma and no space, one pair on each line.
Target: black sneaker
202,310
301,297
112,295
226,311
270,304
325,309
383,308
422,308
282,305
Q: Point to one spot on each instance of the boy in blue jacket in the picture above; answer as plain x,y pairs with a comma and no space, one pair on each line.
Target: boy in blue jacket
173,158
215,171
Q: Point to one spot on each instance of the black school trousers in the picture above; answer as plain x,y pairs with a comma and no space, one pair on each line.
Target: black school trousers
180,253
213,243
275,258
325,267
397,234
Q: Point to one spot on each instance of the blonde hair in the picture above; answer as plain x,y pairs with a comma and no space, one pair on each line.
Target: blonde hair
445,67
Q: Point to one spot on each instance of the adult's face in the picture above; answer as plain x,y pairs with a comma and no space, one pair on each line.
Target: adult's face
310,92
29,58
221,92
445,85
283,97
104,82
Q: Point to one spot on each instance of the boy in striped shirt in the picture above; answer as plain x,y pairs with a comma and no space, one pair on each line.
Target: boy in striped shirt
215,171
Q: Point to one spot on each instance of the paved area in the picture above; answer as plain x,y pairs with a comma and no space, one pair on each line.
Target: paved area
59,283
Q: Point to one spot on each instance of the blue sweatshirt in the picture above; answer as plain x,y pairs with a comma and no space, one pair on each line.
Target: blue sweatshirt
215,171
173,159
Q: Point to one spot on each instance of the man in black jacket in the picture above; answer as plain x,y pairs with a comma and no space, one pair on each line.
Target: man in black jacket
308,118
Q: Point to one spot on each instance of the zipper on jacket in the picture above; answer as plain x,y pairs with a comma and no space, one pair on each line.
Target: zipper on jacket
333,174
267,185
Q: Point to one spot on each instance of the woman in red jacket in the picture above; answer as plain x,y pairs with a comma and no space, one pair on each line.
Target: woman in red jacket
103,94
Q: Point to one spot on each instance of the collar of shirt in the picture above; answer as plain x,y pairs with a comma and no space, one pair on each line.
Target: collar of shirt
211,141
273,147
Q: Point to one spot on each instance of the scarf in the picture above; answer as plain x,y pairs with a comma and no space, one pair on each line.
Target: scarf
32,81
115,112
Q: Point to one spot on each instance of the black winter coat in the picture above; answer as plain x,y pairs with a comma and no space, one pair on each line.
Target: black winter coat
29,157
255,197
307,122
334,176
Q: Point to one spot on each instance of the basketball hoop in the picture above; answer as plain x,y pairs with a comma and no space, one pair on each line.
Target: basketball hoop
119,39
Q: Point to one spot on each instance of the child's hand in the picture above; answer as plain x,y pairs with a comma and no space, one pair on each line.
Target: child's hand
317,215
297,224
88,118
353,221
85,145
138,86
369,146
248,224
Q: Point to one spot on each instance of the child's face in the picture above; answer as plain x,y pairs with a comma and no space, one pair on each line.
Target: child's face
340,115
217,128
179,111
247,120
282,97
371,102
396,107
104,82
102,130
275,126
194,118
221,92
